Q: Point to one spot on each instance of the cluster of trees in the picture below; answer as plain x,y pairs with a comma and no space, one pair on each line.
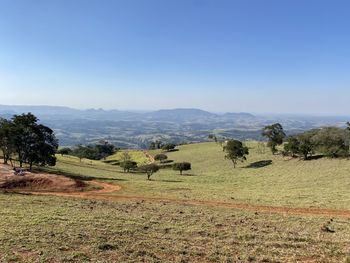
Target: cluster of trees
164,146
329,141
128,165
93,152
22,138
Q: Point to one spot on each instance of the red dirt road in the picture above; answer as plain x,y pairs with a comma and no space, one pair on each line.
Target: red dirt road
105,194
107,191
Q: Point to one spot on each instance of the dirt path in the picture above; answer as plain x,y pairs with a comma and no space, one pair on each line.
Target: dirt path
149,156
107,189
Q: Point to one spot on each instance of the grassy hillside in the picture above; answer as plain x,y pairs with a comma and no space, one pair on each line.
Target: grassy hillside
56,229
68,229
284,182
137,156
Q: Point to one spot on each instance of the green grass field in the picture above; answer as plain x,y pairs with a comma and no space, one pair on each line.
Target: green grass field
57,229
285,182
62,229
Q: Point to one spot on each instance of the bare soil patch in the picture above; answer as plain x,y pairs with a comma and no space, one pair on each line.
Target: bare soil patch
37,182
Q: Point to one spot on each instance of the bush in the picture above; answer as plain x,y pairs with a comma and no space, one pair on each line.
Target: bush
160,157
149,169
128,165
168,147
184,166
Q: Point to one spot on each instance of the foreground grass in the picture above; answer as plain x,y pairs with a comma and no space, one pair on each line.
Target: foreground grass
53,229
318,183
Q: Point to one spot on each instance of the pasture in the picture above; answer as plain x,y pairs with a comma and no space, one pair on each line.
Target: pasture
175,218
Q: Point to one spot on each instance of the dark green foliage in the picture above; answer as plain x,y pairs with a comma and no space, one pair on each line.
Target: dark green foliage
301,145
184,166
94,152
328,141
128,165
6,140
235,151
105,149
213,137
168,147
65,151
32,143
149,169
292,146
331,141
306,144
160,157
155,145
275,135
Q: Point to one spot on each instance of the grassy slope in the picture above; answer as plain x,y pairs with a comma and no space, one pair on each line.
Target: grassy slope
54,229
317,183
137,156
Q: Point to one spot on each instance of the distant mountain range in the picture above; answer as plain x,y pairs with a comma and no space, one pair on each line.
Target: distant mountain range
137,130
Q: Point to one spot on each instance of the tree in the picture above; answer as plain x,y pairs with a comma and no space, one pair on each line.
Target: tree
160,157
168,147
6,139
306,145
104,149
348,136
275,135
292,146
149,169
331,141
33,143
212,137
235,151
65,151
184,166
128,165
155,145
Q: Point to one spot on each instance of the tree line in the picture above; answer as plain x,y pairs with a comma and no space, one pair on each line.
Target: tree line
331,142
93,152
326,141
23,139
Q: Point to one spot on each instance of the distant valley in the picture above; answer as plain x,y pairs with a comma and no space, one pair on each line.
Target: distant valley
128,129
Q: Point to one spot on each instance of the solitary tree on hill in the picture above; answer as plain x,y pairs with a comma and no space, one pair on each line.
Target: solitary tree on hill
149,169
160,157
64,151
184,166
128,165
235,151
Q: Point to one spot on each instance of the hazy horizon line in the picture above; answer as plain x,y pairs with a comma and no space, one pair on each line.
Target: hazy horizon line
179,108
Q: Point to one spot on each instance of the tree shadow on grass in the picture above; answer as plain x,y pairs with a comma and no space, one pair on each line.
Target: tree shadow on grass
314,157
259,164
186,174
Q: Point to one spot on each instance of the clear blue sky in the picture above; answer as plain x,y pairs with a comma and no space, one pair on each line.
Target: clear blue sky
280,56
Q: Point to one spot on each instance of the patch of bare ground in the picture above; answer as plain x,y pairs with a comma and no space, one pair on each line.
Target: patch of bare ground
37,182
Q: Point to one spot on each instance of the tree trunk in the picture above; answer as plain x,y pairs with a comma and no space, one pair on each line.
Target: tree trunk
181,172
30,166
